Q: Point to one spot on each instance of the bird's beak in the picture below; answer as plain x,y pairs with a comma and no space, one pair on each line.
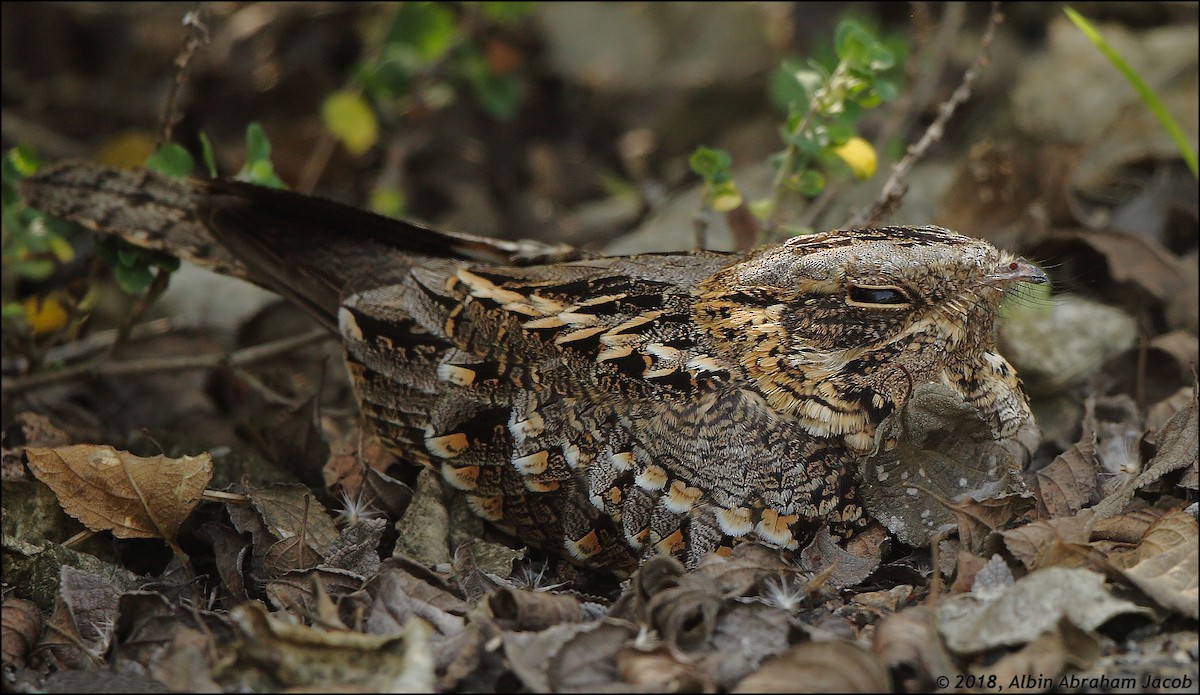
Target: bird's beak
1019,270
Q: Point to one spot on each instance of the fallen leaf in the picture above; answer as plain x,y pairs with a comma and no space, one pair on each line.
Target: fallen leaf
291,511
20,630
1177,448
398,596
1035,668
582,657
1050,542
357,548
820,667
524,610
1068,484
300,592
846,569
908,642
979,517
131,496
659,670
942,450
1032,605
746,635
275,654
1164,564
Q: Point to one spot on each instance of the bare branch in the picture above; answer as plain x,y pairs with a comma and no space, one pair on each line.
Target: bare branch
896,187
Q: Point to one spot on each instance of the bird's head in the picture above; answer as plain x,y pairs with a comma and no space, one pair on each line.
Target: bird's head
837,329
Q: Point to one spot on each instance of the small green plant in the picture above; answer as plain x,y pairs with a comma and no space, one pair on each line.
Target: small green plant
136,268
823,102
35,247
417,62
1147,95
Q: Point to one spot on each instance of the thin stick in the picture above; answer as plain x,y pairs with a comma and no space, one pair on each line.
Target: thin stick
240,358
896,187
197,36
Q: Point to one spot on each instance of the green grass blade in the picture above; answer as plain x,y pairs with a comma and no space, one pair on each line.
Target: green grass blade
1147,95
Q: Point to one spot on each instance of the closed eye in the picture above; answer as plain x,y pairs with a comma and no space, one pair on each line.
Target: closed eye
888,296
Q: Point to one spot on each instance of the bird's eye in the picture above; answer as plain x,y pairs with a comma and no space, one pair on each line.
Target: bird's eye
865,295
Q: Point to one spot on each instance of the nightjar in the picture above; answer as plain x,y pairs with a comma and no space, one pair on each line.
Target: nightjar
606,409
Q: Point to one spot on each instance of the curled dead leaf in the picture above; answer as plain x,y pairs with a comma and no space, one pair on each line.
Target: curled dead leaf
520,609
131,496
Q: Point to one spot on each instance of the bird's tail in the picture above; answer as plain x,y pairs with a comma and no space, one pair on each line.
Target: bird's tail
311,250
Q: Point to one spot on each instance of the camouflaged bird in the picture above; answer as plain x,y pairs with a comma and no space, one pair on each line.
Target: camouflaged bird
606,408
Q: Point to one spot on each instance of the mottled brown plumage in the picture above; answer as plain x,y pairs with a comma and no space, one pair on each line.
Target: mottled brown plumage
607,409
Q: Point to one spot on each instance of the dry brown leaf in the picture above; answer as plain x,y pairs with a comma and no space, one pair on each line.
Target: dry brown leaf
277,654
399,596
290,511
748,634
820,667
357,548
942,451
845,568
1164,565
967,568
1035,668
686,614
230,553
910,639
586,660
20,630
1019,613
521,609
978,518
131,496
1068,484
302,591
1177,448
28,429
659,670
1129,527
289,555
1050,542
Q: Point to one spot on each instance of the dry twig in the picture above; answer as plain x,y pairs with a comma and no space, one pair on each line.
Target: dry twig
896,187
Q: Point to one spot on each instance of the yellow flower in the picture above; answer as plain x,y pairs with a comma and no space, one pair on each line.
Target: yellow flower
44,314
861,157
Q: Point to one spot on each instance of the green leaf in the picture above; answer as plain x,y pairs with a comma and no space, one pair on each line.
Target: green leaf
791,84
388,200
12,311
725,196
134,280
879,56
886,89
498,95
206,154
173,160
61,248
852,43
21,161
32,268
709,163
258,147
348,116
1147,95
809,182
258,168
428,27
506,12
839,132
